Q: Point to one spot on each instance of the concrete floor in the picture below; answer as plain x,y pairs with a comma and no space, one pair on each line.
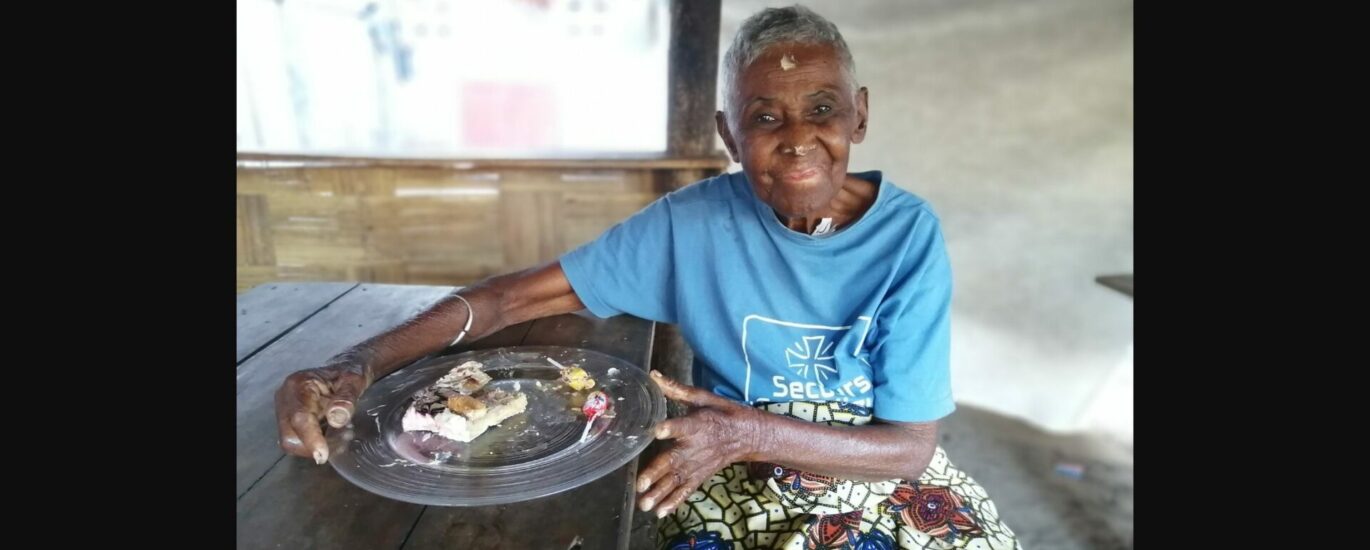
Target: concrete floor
1016,464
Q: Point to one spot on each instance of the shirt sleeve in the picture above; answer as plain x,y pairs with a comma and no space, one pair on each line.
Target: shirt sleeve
628,268
911,363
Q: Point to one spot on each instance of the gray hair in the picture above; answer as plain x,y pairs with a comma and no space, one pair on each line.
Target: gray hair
771,26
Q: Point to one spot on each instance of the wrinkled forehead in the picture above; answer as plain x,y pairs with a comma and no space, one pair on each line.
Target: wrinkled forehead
790,64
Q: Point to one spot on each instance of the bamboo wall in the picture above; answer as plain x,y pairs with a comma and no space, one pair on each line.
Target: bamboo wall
444,222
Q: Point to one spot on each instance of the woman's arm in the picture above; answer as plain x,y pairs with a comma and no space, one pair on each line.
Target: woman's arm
719,431
331,391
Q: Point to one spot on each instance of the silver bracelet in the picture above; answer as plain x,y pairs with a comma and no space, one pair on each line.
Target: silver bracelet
470,316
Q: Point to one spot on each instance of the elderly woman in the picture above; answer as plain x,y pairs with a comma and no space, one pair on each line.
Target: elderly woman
816,302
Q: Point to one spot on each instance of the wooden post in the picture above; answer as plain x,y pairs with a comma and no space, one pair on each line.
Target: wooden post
693,75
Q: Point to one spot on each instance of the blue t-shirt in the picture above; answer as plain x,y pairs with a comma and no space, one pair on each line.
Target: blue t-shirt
860,315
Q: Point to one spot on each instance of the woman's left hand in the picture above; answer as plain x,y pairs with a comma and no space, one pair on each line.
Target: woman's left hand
716,432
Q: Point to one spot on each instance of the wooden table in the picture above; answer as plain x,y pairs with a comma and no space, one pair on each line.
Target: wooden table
287,502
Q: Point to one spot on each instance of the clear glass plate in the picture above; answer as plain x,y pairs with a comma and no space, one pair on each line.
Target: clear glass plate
530,455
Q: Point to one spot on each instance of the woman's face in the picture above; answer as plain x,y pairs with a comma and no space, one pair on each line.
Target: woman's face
791,122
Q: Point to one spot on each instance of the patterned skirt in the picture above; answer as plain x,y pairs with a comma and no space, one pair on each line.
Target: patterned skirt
756,505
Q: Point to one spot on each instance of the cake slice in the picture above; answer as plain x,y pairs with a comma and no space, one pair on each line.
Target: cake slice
455,407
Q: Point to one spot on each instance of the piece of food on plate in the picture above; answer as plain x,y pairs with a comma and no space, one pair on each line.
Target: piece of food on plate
577,378
465,405
466,379
458,407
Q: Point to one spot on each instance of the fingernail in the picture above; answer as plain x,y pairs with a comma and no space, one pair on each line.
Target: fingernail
662,512
647,504
656,374
320,457
338,416
642,485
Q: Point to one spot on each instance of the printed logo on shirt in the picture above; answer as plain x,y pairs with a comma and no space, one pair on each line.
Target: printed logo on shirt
807,355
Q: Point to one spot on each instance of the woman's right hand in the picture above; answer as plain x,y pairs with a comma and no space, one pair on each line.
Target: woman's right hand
306,398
